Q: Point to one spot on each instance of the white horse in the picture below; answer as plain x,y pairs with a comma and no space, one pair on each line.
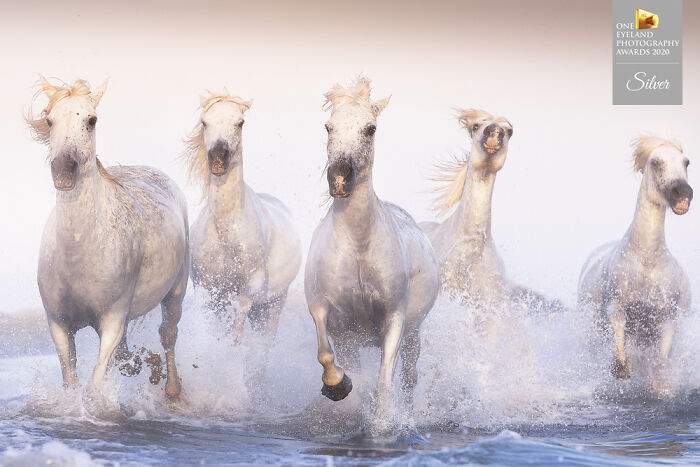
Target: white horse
244,245
471,267
115,245
636,283
371,275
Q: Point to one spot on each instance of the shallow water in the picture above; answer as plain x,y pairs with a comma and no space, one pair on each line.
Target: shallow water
537,391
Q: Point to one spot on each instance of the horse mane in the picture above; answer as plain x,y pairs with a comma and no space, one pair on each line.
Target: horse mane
39,128
645,145
195,153
451,175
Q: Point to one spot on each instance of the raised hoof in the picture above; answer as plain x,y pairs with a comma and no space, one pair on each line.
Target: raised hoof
620,370
338,392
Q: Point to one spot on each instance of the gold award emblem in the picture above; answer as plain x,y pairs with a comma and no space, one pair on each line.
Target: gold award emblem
646,19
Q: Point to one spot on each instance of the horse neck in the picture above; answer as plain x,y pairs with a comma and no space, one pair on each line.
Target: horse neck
78,210
357,214
647,233
473,216
227,193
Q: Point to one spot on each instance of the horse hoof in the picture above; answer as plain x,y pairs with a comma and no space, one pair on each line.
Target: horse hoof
338,392
620,370
172,391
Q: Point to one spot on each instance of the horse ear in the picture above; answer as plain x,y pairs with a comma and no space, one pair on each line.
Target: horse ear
245,105
97,94
378,106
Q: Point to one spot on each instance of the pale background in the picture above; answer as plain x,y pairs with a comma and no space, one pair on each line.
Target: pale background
566,187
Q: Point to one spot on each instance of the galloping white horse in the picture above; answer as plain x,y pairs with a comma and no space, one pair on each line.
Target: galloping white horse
116,242
636,283
371,275
244,245
470,264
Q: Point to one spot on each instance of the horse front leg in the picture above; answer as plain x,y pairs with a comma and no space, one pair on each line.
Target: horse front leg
245,303
618,321
111,327
64,341
336,384
660,383
391,343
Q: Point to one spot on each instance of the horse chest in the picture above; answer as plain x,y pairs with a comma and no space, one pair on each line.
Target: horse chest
365,287
231,258
84,276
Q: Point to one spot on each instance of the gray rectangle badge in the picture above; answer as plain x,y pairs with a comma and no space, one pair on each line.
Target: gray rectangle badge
647,52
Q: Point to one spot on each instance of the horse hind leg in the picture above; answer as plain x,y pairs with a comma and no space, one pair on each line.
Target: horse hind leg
171,308
409,364
264,320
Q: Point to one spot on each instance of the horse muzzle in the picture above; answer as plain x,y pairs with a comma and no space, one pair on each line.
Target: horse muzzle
492,139
219,158
64,171
341,178
679,197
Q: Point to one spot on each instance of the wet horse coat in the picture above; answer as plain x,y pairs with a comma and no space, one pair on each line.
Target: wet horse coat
115,245
371,274
635,284
245,248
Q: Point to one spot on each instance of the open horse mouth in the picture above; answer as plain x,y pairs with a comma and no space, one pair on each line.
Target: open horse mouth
681,207
341,178
679,197
492,140
492,149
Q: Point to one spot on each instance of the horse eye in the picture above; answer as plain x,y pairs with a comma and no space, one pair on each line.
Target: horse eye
328,127
240,124
687,163
510,132
49,122
370,129
92,121
475,127
204,124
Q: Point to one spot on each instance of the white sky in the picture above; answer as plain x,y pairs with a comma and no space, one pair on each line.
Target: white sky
567,185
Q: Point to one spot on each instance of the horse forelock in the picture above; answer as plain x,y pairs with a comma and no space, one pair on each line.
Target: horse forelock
645,145
357,93
450,175
37,124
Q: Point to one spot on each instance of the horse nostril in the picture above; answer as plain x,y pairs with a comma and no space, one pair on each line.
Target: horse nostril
489,129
